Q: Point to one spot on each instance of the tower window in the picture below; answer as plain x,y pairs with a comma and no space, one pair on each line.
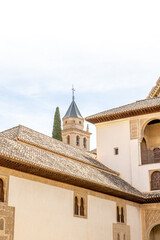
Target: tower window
68,139
65,122
77,140
80,122
84,142
116,151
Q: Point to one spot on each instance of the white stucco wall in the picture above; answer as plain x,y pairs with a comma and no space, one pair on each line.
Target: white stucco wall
116,134
140,173
46,212
112,135
134,221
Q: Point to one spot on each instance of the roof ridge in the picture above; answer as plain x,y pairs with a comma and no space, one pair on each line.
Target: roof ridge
84,155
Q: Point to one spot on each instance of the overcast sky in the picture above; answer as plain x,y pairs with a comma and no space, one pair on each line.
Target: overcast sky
109,50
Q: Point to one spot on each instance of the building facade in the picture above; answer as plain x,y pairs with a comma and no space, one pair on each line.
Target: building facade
52,190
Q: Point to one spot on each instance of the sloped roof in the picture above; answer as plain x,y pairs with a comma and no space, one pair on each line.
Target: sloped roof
73,111
27,135
137,108
26,150
20,148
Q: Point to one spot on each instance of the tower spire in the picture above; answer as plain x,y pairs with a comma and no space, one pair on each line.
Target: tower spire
73,90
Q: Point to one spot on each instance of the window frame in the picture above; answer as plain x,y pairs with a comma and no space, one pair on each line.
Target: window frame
85,203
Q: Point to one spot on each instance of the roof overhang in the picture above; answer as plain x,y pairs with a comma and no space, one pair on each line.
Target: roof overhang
126,114
72,180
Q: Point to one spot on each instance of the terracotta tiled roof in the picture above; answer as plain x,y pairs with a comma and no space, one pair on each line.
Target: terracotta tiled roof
26,150
133,109
27,155
27,135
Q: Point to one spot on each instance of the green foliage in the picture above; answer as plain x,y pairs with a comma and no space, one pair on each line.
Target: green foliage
57,132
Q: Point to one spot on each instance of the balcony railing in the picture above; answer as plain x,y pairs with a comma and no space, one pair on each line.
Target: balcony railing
150,156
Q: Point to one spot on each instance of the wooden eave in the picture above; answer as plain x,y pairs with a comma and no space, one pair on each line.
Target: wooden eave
72,180
122,115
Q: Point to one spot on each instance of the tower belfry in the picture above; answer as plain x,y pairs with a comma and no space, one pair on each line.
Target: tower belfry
73,127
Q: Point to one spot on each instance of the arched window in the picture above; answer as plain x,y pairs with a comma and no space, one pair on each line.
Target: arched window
144,152
155,180
118,215
76,206
77,140
1,191
84,142
82,207
124,237
150,152
118,236
68,139
122,215
1,224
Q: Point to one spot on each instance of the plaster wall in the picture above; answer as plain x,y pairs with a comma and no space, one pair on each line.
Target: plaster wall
112,135
134,221
140,173
43,212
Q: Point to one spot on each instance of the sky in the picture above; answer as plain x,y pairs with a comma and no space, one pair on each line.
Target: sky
109,50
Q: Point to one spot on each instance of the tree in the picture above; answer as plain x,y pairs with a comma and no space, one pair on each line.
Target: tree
57,132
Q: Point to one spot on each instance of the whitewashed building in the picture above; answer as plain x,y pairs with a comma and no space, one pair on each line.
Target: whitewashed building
52,190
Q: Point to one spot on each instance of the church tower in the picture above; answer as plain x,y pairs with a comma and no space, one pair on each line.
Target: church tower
73,128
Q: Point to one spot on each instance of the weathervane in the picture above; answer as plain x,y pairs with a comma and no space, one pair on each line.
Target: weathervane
73,90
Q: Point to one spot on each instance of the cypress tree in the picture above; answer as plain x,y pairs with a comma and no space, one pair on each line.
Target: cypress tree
57,132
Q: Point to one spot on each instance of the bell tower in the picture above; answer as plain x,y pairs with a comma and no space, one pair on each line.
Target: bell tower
73,127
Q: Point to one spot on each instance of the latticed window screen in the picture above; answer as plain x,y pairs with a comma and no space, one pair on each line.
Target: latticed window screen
155,180
156,153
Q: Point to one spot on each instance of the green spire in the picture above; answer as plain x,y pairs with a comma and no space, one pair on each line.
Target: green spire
57,132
